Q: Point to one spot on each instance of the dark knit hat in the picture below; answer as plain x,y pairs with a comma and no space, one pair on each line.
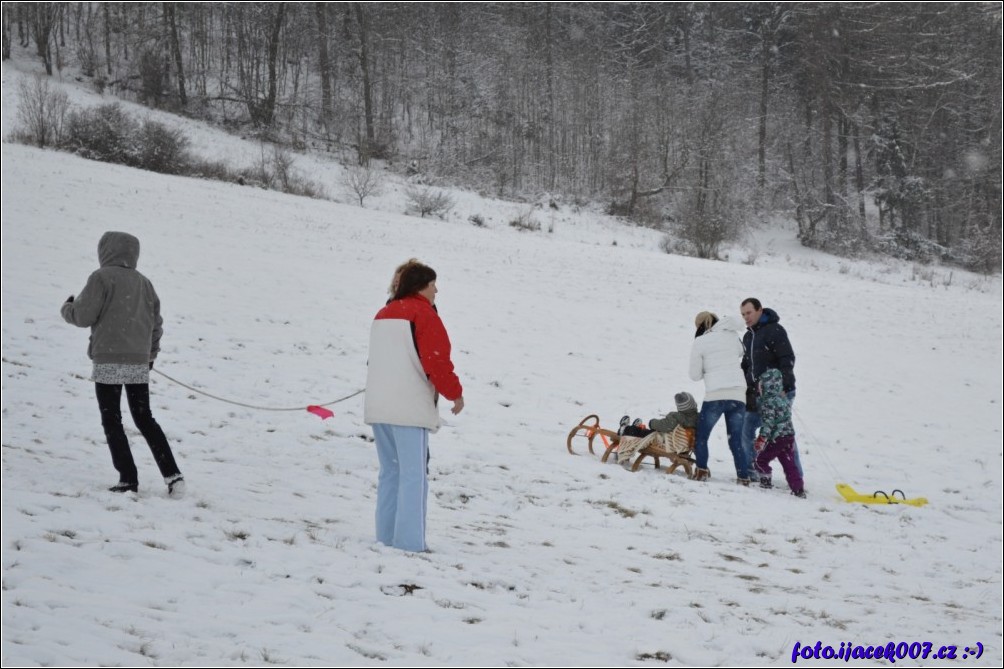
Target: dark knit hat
685,402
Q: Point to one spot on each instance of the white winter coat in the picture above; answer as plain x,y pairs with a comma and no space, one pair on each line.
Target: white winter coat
716,357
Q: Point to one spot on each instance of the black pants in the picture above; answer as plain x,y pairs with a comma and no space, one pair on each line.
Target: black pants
138,396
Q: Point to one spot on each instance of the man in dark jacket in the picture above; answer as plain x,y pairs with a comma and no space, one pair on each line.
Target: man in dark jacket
765,346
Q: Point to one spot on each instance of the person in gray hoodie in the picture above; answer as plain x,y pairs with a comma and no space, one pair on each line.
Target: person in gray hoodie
122,310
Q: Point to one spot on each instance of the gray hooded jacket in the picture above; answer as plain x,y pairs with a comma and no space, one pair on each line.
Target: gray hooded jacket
119,305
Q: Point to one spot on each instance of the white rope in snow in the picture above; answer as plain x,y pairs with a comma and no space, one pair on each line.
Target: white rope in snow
252,406
803,429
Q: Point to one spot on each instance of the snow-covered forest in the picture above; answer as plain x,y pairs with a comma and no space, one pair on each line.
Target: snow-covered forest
875,126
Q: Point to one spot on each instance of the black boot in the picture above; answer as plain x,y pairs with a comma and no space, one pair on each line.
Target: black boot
175,485
625,421
124,486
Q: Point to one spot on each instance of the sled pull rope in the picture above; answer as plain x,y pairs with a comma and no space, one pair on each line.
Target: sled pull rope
592,431
251,406
817,443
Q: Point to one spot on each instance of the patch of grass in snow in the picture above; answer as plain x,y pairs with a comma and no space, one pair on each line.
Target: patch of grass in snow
267,657
368,654
661,656
237,535
447,604
616,506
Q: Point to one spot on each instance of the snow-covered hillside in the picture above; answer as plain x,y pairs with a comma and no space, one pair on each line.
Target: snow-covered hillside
538,557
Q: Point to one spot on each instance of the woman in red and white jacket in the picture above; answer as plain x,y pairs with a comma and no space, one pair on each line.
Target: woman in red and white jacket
409,364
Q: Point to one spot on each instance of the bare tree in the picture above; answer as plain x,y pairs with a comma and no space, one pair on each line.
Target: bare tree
362,182
41,110
426,201
45,17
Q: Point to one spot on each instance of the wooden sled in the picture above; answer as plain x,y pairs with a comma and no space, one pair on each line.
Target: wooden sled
676,447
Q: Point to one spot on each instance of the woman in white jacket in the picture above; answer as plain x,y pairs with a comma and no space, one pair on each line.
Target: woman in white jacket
409,363
715,357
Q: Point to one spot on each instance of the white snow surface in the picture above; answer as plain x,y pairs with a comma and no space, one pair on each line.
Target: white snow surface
537,557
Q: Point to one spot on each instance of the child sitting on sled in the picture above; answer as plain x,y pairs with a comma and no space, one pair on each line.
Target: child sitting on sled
777,434
685,416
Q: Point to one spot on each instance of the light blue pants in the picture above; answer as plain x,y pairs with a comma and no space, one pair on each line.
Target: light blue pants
403,487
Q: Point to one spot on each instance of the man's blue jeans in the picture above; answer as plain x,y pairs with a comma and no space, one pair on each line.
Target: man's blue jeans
751,423
735,413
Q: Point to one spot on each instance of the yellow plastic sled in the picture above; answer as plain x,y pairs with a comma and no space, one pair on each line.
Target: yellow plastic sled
879,497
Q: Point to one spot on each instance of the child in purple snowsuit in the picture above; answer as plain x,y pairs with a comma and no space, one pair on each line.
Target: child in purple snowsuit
777,434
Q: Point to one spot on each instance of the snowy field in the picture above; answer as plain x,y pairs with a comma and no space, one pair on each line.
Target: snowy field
538,557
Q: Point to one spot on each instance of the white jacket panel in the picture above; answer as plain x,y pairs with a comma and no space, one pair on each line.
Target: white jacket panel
715,357
398,392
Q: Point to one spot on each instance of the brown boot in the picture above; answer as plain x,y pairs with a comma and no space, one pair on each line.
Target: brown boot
701,474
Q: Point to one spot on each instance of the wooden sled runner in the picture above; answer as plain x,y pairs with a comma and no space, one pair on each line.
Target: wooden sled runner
677,447
879,497
589,427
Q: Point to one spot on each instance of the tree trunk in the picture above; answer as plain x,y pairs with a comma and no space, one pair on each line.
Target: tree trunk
761,175
264,112
108,37
366,145
859,176
552,150
6,35
843,182
827,158
44,17
324,63
170,9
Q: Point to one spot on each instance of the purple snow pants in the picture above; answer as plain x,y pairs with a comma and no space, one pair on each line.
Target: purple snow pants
782,448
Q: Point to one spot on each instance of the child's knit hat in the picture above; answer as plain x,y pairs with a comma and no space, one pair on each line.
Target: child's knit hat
685,402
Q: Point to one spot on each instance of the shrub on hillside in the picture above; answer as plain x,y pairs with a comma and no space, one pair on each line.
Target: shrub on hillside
104,133
215,170
525,222
426,201
107,133
980,251
41,112
361,182
162,149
